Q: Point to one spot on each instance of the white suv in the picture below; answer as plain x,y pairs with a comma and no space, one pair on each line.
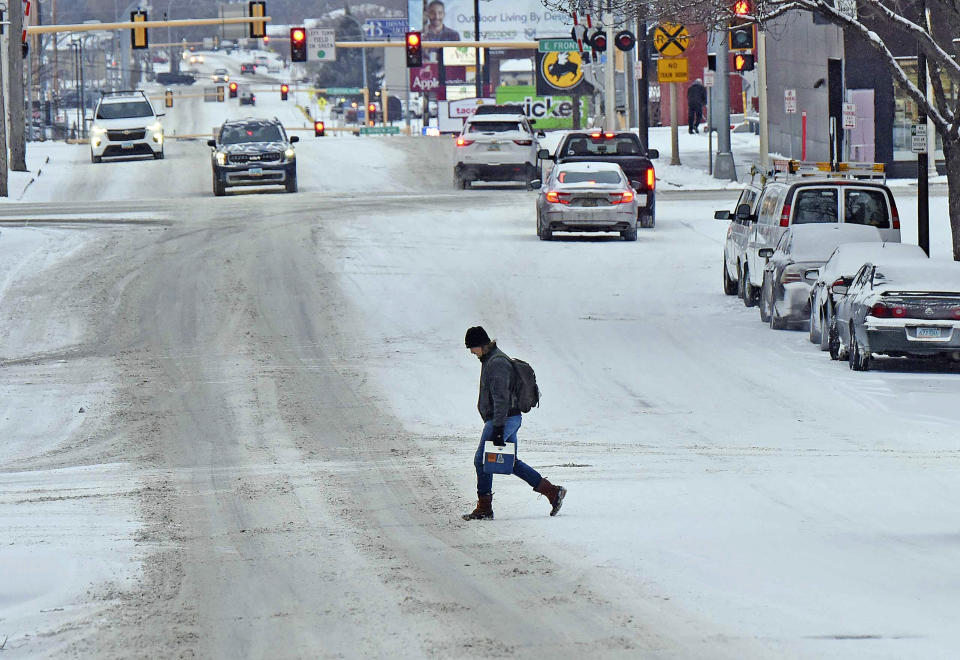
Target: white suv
495,148
125,124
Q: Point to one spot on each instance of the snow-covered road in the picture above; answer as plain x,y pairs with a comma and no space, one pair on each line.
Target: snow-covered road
279,421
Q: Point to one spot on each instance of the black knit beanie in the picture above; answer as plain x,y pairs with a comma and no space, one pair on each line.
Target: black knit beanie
476,336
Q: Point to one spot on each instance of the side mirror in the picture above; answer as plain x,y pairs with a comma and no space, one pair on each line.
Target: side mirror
161,114
535,184
541,133
839,289
532,122
743,212
211,143
653,153
811,275
765,253
636,185
721,215
543,154
294,138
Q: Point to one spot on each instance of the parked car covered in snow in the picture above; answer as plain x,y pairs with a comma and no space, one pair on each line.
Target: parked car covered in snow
790,269
738,231
900,308
840,269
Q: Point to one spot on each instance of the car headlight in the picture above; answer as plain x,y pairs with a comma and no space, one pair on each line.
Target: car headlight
98,130
221,158
155,127
290,153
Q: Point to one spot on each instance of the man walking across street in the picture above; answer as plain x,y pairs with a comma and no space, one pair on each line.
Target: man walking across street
696,99
501,419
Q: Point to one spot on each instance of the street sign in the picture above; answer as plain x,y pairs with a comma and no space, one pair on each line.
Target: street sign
708,77
379,130
849,115
343,91
790,101
671,39
672,70
556,45
379,28
918,138
320,45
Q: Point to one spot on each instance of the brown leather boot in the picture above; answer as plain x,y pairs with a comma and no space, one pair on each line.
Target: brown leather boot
484,510
555,494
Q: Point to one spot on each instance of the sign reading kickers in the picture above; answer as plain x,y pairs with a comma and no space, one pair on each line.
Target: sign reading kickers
561,73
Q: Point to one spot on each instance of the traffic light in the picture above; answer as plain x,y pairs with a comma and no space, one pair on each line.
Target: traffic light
371,113
742,8
743,62
598,40
284,88
625,40
138,36
414,50
318,128
257,9
168,99
741,37
298,44
220,93
712,61
233,90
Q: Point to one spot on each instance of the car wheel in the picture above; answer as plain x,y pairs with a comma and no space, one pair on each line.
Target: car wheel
859,358
292,183
219,190
813,330
824,334
750,293
543,232
777,322
764,303
629,234
729,286
833,340
95,159
740,282
158,156
647,221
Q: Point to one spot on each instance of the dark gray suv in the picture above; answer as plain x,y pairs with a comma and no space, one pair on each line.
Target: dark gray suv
253,152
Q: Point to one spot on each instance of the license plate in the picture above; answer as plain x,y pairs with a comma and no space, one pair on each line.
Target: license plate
126,145
588,202
493,147
255,171
929,333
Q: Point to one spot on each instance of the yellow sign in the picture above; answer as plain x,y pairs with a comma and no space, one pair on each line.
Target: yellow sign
672,70
671,39
562,70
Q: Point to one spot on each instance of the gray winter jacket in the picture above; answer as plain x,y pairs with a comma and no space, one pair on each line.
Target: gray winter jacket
496,385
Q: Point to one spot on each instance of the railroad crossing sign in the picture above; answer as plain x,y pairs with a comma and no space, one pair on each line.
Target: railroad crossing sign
672,70
671,39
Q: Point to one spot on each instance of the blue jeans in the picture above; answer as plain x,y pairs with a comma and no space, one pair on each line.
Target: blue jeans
521,469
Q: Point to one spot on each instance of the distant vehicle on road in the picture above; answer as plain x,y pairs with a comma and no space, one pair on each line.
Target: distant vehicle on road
248,68
621,148
220,75
495,148
587,197
181,78
253,152
245,95
125,124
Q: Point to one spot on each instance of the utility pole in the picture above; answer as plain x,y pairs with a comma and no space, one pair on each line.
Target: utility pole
609,77
643,89
3,135
723,165
923,174
762,97
18,123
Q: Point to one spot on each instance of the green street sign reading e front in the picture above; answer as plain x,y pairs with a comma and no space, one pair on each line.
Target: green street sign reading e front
342,90
380,130
556,45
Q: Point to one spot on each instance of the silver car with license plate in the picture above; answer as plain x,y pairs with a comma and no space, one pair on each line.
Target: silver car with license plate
587,197
900,308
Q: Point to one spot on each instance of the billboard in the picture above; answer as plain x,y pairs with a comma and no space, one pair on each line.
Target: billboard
500,20
549,111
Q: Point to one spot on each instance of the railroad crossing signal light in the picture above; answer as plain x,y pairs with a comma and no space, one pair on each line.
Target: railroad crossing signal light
233,90
257,9
318,128
742,7
742,37
414,50
743,62
284,88
138,36
625,40
599,40
298,44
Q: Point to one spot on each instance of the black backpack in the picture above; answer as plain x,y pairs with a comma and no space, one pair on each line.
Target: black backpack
525,392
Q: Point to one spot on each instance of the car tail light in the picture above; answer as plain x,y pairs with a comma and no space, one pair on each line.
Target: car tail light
880,311
837,282
463,142
651,178
956,313
790,275
595,136
785,216
896,214
608,135
621,198
555,197
524,143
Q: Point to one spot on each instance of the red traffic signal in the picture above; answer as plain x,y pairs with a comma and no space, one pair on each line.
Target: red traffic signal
598,40
233,90
414,48
743,62
284,88
624,40
298,44
318,128
742,7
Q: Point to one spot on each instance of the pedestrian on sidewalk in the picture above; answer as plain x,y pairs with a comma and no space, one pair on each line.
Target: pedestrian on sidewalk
501,419
696,99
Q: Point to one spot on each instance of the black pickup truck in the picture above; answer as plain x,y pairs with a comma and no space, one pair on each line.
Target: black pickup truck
622,148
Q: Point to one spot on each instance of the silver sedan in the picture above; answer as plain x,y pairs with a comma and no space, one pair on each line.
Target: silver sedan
585,197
